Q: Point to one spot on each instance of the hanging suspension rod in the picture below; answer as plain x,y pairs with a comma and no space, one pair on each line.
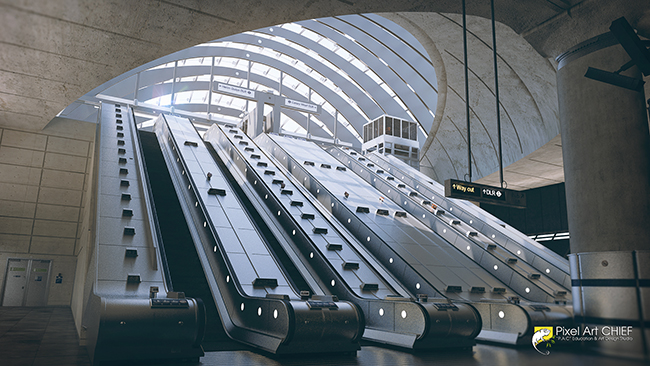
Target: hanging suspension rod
496,92
469,144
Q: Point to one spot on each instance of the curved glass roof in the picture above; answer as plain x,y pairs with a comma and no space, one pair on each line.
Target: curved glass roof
356,67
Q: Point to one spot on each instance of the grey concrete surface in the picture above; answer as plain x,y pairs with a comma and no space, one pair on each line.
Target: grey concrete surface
528,98
52,52
606,150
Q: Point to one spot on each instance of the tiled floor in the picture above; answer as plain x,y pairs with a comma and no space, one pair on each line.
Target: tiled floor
46,336
35,336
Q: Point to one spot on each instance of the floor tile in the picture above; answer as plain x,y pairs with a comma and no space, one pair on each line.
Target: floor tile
62,361
39,336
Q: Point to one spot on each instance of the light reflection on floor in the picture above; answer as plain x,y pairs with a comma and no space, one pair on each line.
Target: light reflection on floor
481,355
47,336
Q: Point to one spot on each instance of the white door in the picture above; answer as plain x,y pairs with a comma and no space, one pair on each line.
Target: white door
37,283
15,282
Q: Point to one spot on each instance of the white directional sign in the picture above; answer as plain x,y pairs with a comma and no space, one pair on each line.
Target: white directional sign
231,89
296,104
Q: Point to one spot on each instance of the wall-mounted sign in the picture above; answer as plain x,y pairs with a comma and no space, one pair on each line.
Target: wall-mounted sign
463,189
231,89
482,193
303,106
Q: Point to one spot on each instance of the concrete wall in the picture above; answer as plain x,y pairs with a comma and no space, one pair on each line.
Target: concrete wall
43,179
528,97
72,46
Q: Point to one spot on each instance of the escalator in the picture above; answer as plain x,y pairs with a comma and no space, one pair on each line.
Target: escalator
131,311
415,254
261,300
392,315
472,217
184,266
529,282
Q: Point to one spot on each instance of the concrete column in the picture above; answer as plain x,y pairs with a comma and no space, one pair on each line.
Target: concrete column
606,151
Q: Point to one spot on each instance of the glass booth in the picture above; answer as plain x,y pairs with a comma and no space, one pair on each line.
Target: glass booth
392,136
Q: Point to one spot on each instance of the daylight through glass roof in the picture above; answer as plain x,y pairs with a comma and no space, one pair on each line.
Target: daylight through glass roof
356,67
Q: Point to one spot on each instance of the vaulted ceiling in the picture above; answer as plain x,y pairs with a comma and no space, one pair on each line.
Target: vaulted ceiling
53,52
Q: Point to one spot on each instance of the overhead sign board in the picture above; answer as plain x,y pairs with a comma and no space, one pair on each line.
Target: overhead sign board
483,193
302,106
267,98
236,90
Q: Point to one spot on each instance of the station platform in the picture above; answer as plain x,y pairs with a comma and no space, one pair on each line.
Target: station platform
35,336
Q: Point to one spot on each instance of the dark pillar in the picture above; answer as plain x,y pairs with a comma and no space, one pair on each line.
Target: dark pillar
606,151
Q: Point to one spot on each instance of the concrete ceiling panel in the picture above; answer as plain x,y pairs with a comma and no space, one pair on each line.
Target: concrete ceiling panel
110,38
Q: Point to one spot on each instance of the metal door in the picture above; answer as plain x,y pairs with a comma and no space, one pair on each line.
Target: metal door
15,282
37,284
